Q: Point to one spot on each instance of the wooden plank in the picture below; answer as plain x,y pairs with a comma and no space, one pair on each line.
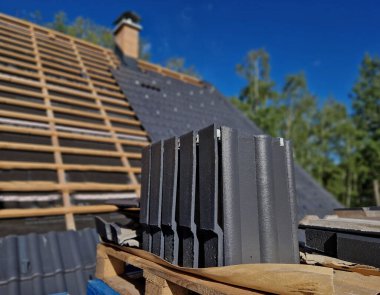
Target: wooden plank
157,285
40,186
117,94
11,70
70,111
69,218
21,81
78,86
79,136
96,66
92,60
15,42
118,146
13,36
75,102
69,122
120,111
370,226
16,48
64,75
35,212
106,85
60,61
68,69
55,53
157,272
97,77
67,150
13,30
18,63
68,167
17,55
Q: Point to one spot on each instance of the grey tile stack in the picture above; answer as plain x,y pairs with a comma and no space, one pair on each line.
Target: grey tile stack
217,197
49,263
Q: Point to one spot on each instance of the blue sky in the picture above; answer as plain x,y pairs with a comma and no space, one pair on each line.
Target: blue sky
325,39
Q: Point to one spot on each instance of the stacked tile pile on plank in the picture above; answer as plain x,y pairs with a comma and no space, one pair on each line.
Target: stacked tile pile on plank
217,197
354,238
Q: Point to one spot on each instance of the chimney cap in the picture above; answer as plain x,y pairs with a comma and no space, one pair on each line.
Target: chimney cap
131,15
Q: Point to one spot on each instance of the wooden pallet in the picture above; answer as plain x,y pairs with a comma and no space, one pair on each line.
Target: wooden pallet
156,280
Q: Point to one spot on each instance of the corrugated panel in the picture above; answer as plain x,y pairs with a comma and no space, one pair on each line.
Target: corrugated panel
47,263
236,192
169,107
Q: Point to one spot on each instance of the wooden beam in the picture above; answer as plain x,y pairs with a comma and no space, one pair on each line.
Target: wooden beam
69,218
35,212
67,150
45,186
69,122
68,167
79,136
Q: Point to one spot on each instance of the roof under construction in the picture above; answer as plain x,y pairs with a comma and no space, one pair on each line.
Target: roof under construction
74,117
68,134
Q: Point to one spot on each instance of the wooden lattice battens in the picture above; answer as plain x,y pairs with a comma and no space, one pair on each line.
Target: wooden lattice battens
68,150
70,135
69,187
71,167
69,217
119,147
65,90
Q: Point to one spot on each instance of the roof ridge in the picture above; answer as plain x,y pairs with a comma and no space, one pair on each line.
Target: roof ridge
147,65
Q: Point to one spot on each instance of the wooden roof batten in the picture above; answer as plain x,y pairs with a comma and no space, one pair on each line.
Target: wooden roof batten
47,73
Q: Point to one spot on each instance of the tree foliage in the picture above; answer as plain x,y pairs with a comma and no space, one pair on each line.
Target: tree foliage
341,150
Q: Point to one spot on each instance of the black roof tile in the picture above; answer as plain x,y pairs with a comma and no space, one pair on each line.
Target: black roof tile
47,263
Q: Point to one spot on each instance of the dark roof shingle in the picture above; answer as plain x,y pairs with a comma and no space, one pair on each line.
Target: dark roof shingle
47,263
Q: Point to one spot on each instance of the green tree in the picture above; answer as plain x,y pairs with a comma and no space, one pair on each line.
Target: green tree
83,28
256,70
258,99
366,106
299,109
336,166
178,64
324,138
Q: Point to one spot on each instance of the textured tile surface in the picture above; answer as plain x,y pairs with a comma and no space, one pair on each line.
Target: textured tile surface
47,263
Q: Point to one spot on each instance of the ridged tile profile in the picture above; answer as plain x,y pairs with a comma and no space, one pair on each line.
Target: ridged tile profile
54,262
217,197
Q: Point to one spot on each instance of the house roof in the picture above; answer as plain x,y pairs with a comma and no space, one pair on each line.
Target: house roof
67,132
47,263
60,94
170,106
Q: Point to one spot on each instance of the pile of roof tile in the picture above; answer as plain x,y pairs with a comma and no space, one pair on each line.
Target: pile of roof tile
217,197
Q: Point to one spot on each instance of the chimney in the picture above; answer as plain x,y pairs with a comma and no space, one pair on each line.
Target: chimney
126,33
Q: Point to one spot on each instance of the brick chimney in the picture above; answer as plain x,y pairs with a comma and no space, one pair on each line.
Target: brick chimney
126,33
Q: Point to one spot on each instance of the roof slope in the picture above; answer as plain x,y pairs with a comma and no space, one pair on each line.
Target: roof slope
47,263
169,107
66,130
